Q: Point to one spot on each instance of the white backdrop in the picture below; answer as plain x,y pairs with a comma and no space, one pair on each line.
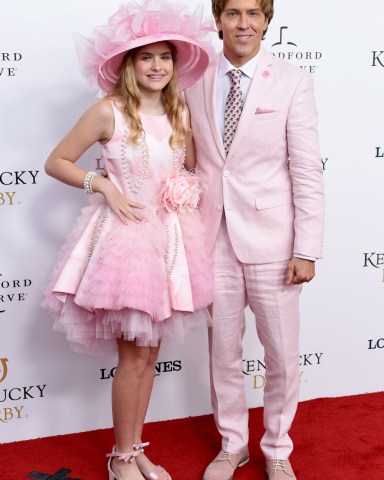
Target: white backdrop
44,388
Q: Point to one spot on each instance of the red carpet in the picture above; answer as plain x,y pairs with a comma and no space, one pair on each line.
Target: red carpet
335,439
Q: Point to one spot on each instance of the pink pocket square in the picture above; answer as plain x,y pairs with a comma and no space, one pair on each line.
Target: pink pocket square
262,110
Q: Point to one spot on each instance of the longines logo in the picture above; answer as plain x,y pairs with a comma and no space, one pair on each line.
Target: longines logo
288,50
161,367
375,260
17,178
256,368
374,344
167,367
10,291
7,63
379,152
377,58
16,394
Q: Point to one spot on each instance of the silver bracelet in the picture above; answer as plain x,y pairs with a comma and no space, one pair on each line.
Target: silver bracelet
88,181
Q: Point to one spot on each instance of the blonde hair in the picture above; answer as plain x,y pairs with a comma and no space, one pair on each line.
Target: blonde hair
127,92
218,6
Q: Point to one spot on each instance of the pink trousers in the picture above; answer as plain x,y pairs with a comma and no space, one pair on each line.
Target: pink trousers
276,309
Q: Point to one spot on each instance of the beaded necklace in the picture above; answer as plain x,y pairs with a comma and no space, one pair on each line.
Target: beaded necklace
178,160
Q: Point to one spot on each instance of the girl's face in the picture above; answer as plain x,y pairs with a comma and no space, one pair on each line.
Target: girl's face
153,67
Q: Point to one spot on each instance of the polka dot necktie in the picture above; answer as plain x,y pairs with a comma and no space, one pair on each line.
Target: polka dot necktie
233,108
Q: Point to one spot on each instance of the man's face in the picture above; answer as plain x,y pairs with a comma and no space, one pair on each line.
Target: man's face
242,23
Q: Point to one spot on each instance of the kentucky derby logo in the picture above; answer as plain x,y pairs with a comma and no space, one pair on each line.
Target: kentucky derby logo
375,260
377,58
11,181
256,369
3,369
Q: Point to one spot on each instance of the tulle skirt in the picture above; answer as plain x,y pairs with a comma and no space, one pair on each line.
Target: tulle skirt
115,281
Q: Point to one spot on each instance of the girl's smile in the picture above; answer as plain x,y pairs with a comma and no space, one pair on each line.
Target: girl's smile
153,67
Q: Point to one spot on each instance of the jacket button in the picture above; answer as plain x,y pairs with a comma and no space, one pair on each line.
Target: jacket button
218,208
225,173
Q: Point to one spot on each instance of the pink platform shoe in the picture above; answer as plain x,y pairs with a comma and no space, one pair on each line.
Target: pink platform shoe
157,471
126,457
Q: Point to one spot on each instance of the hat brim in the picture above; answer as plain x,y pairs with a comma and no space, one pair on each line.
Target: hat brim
192,60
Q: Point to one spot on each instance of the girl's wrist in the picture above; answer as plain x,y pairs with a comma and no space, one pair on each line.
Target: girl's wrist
88,181
99,184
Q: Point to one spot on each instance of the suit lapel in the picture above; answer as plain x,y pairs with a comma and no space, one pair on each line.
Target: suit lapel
210,82
259,84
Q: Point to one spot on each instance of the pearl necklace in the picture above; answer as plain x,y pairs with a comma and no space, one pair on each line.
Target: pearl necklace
178,160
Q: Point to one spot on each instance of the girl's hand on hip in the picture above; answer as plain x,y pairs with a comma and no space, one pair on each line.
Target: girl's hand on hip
124,208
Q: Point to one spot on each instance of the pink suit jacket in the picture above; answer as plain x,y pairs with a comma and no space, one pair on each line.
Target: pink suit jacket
270,185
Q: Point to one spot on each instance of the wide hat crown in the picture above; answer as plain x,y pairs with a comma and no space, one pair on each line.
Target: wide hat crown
136,24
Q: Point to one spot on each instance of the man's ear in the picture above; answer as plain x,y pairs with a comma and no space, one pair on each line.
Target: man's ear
218,24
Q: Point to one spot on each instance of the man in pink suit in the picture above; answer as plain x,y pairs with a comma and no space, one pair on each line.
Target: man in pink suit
263,206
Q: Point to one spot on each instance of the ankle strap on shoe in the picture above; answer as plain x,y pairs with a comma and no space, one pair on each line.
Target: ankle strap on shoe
131,456
140,447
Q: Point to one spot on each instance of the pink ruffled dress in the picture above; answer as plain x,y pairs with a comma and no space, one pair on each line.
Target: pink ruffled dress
146,281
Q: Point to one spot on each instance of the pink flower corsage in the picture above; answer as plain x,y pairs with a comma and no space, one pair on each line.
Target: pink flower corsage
180,192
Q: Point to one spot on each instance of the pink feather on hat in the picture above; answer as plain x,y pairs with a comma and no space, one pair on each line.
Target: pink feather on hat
136,24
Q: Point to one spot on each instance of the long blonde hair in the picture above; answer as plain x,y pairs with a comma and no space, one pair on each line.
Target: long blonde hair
127,92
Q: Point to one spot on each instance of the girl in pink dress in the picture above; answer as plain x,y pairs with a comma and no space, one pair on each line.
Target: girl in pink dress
135,270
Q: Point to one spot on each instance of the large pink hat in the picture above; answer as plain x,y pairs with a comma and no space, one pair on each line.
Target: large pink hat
137,24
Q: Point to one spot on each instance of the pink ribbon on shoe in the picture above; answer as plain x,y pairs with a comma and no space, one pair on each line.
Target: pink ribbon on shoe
138,448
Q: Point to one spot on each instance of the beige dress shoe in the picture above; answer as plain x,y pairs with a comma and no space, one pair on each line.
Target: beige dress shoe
280,470
224,465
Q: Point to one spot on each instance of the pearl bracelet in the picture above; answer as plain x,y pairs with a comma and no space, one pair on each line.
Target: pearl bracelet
88,181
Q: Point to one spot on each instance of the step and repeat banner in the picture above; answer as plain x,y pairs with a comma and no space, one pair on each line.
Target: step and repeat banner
45,389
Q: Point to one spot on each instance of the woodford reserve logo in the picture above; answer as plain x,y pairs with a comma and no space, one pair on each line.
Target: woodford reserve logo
256,368
9,411
8,62
10,180
12,291
284,48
